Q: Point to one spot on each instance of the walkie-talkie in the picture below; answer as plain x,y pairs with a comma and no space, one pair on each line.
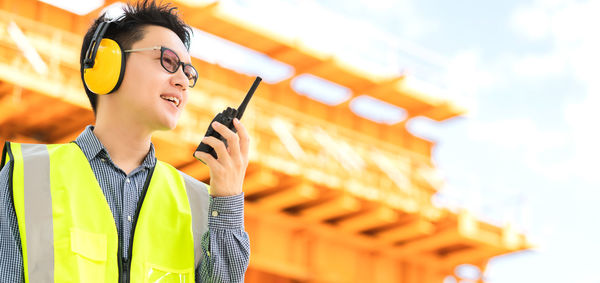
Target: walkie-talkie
226,118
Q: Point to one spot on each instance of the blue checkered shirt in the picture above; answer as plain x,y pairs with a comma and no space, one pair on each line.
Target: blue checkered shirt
226,246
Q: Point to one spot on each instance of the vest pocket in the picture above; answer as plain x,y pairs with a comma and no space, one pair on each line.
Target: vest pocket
160,274
91,253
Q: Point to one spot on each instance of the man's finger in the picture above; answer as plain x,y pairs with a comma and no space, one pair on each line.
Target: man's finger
244,138
207,159
219,147
233,140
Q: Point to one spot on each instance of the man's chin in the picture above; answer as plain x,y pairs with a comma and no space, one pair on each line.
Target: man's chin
166,126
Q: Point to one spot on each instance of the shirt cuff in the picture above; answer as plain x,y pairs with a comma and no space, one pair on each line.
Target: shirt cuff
226,212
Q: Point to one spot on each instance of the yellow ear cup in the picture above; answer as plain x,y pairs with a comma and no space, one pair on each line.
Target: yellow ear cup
109,66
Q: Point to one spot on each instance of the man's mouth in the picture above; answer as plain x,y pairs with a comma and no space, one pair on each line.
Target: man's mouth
172,99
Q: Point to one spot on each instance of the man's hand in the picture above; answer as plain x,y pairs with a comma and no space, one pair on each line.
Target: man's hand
228,171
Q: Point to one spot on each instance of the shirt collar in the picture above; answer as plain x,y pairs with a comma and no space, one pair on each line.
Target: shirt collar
92,147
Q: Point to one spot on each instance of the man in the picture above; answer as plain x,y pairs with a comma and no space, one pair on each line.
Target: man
103,209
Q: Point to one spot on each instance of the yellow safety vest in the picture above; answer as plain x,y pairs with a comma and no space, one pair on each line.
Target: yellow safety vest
68,233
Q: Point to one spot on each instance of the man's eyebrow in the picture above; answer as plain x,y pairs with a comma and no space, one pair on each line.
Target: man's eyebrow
178,54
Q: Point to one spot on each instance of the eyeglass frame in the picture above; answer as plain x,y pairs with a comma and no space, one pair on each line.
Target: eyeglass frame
162,50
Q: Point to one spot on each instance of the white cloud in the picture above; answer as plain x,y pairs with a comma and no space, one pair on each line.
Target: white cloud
405,16
583,118
539,66
572,29
532,23
466,77
514,133
560,19
526,139
380,5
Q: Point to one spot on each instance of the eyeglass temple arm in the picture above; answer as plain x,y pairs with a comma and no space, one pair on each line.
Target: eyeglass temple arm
142,49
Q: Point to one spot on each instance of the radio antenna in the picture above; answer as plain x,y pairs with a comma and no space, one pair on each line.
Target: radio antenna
240,110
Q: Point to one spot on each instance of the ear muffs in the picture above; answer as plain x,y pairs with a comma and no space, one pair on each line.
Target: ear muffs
104,65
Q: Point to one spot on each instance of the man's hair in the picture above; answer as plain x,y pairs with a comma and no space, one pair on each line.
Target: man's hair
129,29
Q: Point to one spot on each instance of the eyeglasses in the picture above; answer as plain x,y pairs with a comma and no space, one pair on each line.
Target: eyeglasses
170,62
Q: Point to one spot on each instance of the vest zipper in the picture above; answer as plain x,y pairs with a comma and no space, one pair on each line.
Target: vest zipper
125,264
119,260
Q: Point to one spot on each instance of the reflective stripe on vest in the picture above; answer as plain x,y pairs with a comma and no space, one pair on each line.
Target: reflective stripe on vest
197,195
38,212
68,232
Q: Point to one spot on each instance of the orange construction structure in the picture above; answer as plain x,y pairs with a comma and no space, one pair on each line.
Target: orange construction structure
330,196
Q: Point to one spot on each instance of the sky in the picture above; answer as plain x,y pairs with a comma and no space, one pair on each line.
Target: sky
526,153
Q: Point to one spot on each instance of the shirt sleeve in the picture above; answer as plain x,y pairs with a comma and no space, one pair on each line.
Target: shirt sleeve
225,246
11,265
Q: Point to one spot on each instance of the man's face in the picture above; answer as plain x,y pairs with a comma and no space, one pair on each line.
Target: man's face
147,91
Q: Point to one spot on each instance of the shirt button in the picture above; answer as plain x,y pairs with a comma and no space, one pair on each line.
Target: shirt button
215,213
129,218
127,180
103,159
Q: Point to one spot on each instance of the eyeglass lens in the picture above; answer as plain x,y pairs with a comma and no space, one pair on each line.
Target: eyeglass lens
170,61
